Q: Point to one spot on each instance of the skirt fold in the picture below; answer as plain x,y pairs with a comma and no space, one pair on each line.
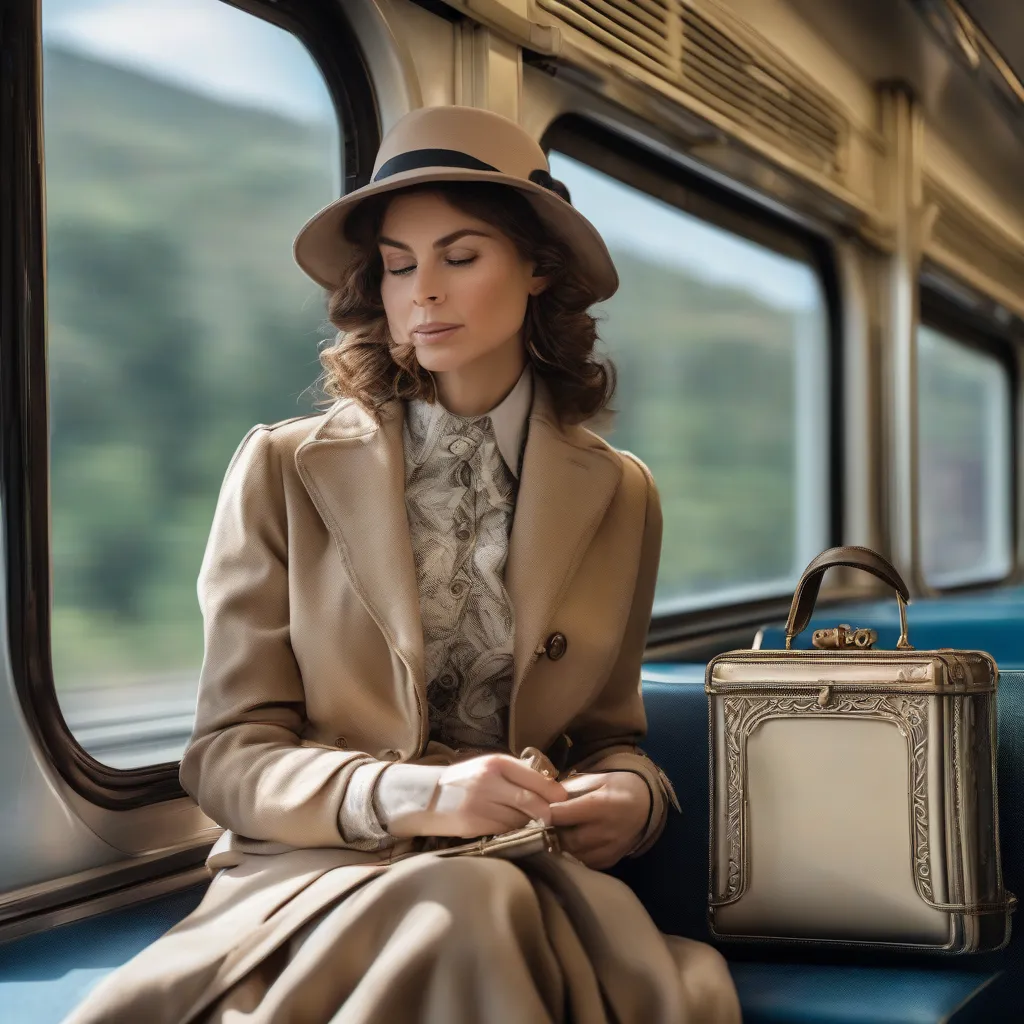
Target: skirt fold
434,940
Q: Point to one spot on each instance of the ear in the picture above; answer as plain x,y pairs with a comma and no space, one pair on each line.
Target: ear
538,284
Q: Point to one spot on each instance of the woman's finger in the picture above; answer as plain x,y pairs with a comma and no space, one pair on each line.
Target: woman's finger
485,817
604,857
526,802
520,774
514,805
577,785
586,807
594,851
489,824
580,838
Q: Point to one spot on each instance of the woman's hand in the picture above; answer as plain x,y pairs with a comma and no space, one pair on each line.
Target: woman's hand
603,817
489,794
477,797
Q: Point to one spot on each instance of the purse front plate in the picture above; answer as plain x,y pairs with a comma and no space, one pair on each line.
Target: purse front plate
849,797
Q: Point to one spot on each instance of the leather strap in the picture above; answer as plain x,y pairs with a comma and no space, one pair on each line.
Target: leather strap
806,593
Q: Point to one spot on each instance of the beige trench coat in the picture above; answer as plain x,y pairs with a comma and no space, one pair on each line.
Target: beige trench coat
314,666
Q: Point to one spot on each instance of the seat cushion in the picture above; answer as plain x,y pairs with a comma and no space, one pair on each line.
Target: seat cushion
813,994
43,977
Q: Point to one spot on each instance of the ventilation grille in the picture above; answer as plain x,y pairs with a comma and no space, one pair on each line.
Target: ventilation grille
759,92
721,62
638,30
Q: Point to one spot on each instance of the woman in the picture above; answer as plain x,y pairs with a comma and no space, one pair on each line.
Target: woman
425,612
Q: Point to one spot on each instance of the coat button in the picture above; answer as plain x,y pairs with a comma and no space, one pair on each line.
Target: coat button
556,645
341,742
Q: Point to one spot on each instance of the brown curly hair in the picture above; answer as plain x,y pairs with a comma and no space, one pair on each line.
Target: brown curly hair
366,364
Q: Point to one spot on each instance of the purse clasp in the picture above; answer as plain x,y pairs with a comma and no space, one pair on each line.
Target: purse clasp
844,638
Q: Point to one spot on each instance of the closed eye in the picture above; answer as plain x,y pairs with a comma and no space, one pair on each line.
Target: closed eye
402,271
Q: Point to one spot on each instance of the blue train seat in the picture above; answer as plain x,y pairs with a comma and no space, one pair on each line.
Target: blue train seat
43,976
785,985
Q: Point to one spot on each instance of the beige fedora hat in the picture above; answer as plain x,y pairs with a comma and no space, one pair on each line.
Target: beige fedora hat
458,144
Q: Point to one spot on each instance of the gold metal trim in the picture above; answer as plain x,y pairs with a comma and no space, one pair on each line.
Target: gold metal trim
844,638
912,673
903,644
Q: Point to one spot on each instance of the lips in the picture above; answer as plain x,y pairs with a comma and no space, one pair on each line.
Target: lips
434,331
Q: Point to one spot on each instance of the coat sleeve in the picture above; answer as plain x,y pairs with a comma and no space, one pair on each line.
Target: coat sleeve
606,734
247,765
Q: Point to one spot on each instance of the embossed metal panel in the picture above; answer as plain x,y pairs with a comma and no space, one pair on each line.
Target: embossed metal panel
853,799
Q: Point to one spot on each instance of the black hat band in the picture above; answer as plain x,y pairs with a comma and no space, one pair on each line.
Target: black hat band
417,158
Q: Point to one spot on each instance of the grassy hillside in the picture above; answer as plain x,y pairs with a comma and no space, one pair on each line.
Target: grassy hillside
177,319
223,187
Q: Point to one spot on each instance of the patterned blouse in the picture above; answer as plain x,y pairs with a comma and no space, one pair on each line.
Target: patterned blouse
460,494
460,497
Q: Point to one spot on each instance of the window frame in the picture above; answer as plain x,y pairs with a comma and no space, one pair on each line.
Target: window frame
24,446
974,327
635,166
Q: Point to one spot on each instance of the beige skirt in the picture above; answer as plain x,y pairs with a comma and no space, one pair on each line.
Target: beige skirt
429,940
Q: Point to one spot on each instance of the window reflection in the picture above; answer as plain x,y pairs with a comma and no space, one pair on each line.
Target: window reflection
186,142
721,348
964,415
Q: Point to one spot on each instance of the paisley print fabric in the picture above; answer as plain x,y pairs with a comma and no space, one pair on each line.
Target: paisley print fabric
460,497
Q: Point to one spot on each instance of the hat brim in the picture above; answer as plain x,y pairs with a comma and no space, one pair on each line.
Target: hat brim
321,248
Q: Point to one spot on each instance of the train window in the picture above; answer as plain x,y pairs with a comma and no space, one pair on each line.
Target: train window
186,142
965,461
721,346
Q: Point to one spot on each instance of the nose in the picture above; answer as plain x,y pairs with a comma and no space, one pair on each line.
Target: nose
427,288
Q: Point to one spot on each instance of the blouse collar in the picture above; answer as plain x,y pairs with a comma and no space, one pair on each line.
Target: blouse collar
508,418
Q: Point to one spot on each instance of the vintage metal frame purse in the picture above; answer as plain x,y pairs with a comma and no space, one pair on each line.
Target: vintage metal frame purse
853,791
533,838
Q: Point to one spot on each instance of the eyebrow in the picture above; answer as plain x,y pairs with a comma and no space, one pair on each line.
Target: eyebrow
439,244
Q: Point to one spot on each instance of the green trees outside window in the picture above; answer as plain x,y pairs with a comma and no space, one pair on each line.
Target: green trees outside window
176,320
721,346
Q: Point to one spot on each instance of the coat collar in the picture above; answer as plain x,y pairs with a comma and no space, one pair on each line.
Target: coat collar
354,470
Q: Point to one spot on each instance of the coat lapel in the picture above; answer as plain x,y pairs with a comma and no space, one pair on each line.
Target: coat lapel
354,471
567,483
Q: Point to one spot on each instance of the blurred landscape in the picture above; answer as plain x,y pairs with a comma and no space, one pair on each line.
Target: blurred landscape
177,320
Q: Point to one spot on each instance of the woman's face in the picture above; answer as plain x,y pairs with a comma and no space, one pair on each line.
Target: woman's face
454,287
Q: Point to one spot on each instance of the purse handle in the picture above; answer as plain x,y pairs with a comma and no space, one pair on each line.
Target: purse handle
806,593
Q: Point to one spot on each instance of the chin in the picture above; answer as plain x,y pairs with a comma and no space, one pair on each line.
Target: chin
434,360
